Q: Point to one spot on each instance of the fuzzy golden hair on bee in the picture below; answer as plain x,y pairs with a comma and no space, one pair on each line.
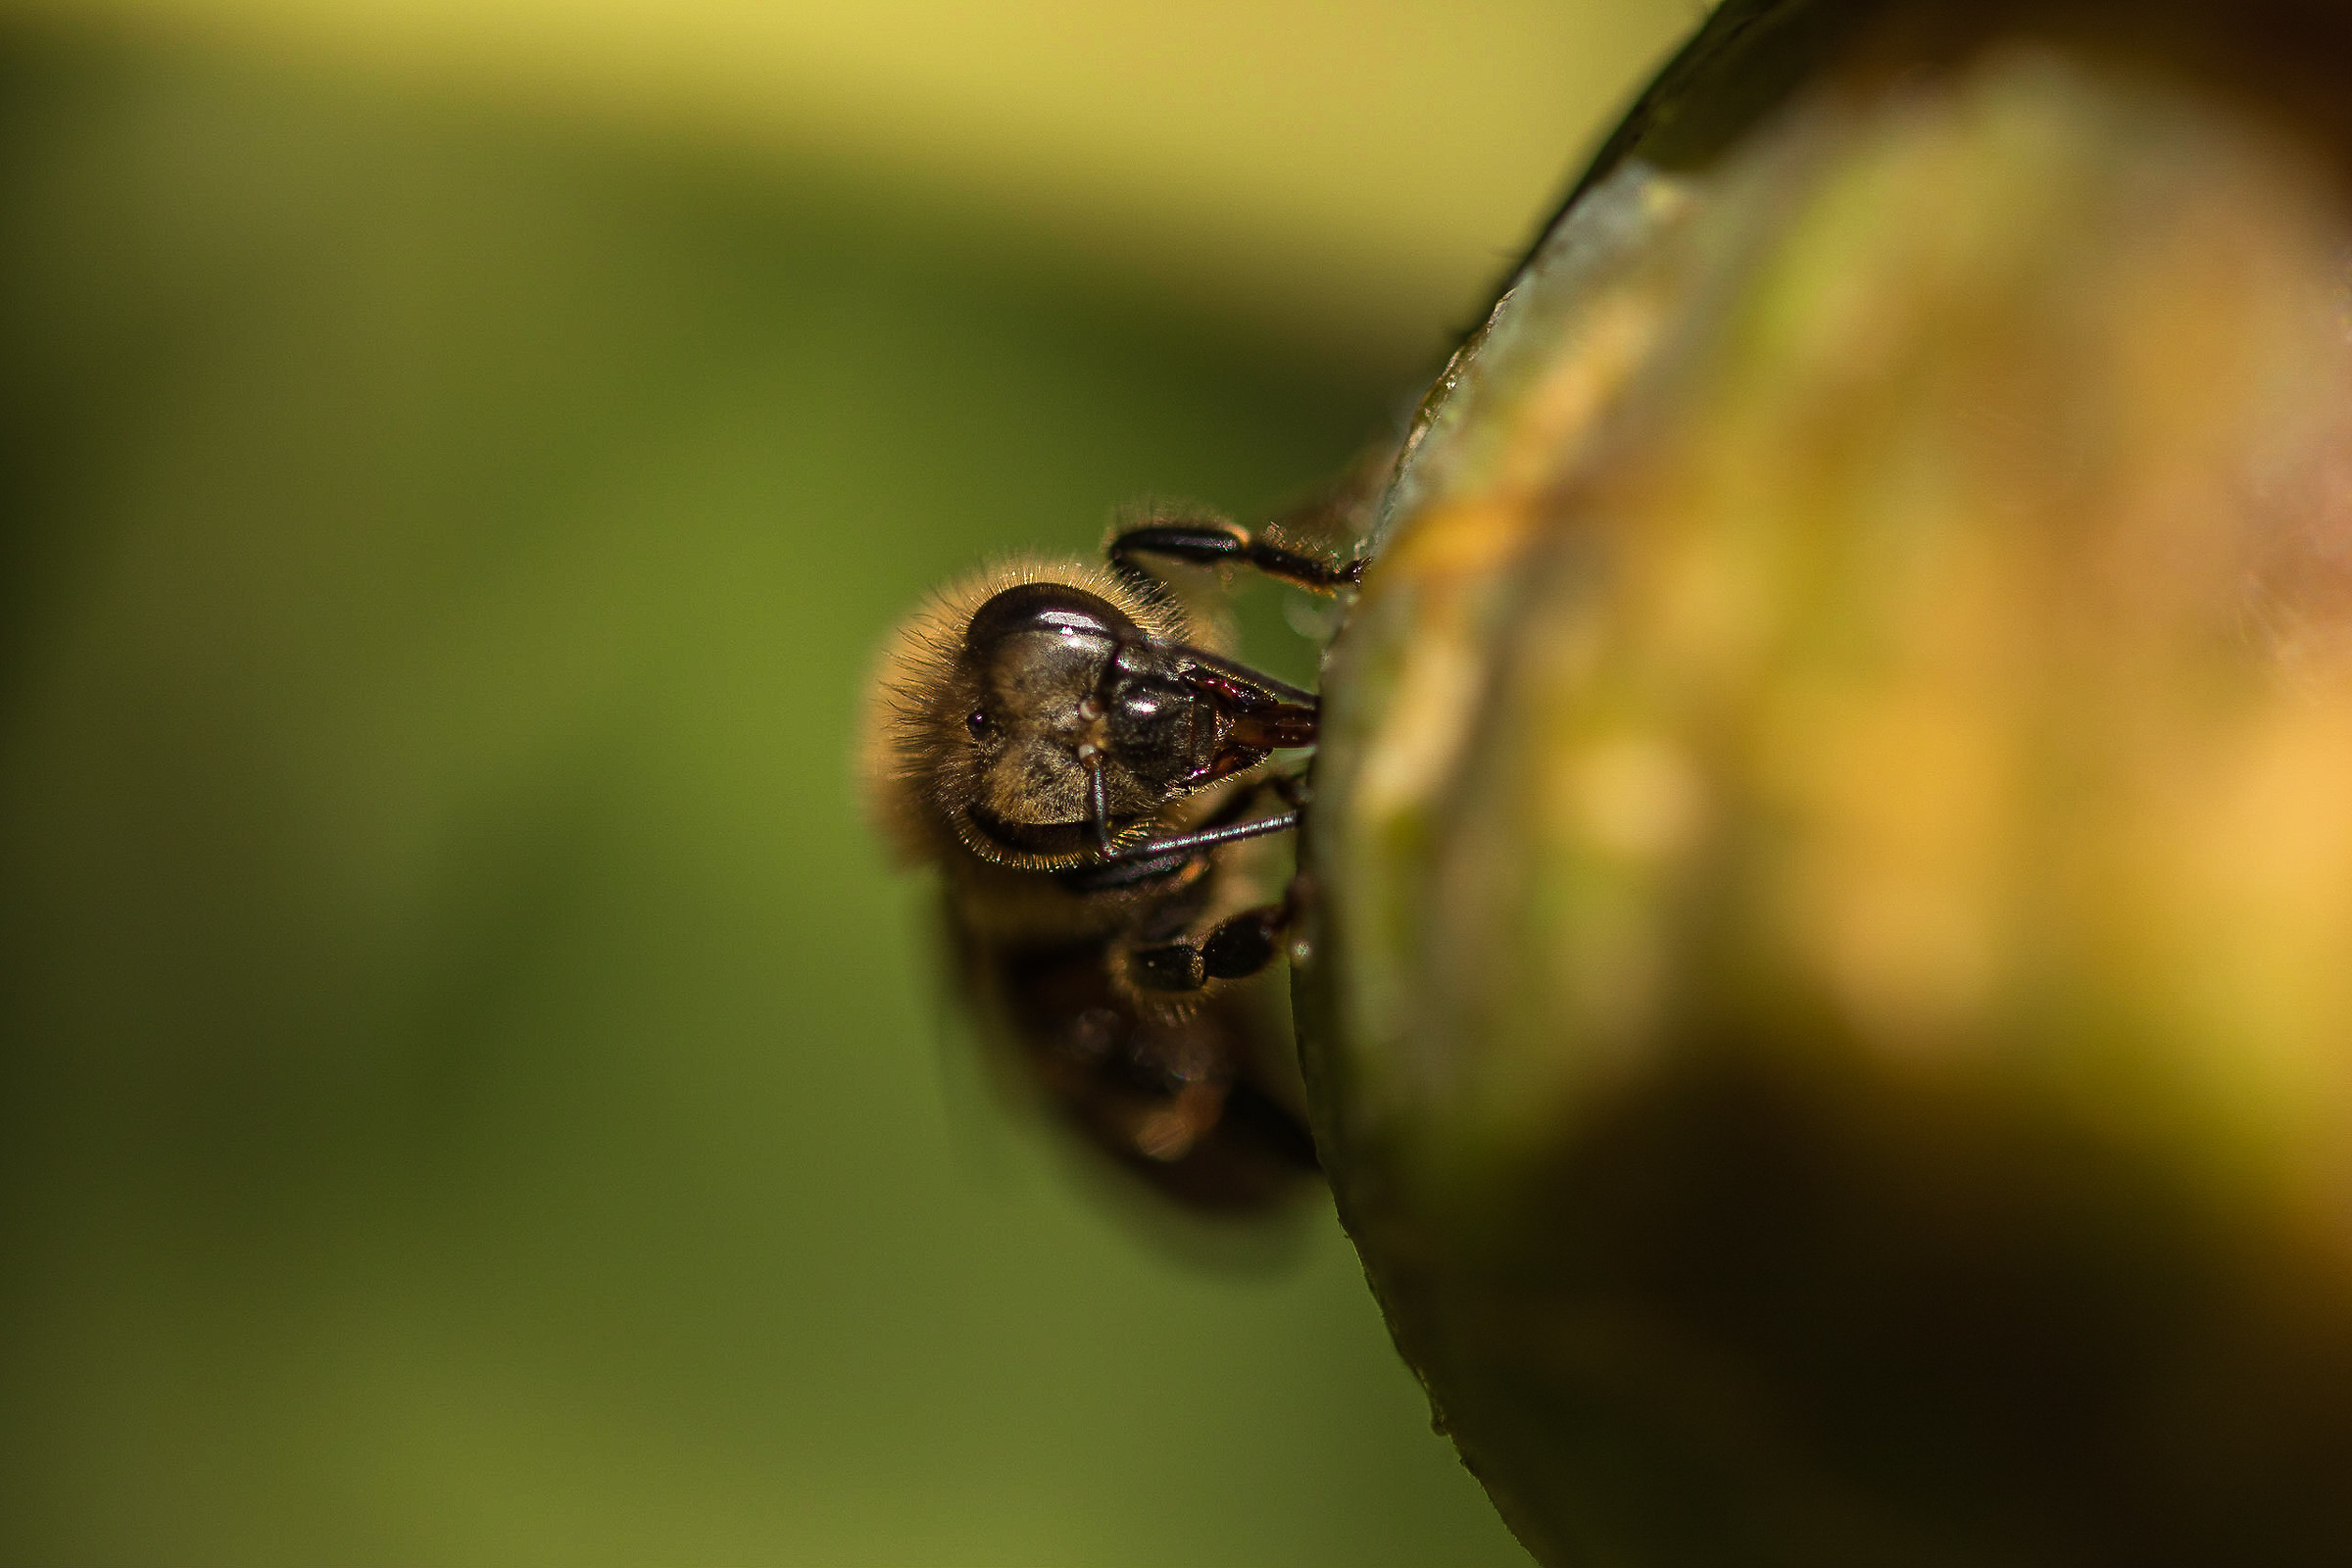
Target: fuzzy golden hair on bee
917,767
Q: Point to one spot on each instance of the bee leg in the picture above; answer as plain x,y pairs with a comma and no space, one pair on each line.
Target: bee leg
1219,544
1233,948
1205,839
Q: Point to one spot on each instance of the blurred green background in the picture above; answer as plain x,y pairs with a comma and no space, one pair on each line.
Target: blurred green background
471,1090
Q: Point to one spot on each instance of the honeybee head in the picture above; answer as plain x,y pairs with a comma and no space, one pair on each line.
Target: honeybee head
1047,715
1079,719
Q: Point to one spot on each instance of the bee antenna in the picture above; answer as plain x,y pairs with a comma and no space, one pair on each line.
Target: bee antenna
1098,801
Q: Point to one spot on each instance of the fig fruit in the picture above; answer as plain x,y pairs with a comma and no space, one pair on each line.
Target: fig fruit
1827,999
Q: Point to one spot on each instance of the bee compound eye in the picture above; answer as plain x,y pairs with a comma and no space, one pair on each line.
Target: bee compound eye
977,722
1048,608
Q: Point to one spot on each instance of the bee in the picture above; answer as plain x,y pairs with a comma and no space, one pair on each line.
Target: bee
1074,749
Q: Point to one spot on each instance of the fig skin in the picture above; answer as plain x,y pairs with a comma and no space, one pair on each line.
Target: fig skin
1827,991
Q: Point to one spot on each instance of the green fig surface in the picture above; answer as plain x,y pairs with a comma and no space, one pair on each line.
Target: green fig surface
1829,992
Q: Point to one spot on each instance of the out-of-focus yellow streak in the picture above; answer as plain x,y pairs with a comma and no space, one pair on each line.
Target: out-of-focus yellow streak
1360,170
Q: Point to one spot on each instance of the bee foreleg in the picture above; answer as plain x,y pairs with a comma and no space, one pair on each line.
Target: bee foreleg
1219,544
